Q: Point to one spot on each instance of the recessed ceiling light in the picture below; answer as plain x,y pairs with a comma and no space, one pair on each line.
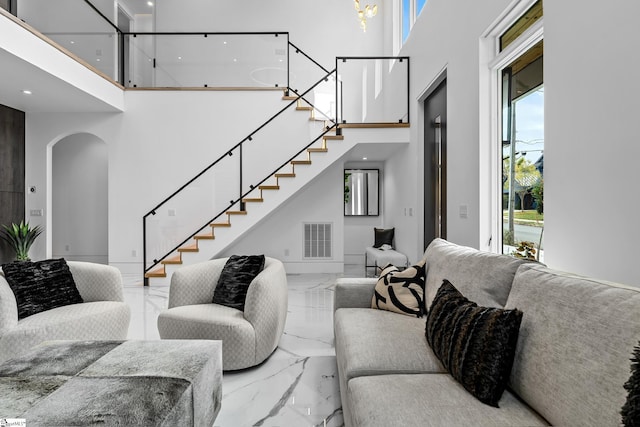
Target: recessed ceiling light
179,57
98,59
27,92
224,42
72,42
364,158
150,3
235,60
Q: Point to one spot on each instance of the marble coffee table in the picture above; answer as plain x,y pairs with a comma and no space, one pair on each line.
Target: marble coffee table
141,383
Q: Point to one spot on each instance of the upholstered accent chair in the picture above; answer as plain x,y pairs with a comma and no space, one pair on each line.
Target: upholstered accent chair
248,337
102,316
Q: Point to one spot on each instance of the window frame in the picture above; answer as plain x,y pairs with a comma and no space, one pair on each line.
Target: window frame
490,208
399,22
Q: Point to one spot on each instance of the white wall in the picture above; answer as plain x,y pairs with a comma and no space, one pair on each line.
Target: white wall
164,138
591,106
281,234
591,142
80,204
445,36
590,112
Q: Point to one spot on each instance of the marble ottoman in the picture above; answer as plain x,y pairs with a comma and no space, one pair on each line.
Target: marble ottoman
124,383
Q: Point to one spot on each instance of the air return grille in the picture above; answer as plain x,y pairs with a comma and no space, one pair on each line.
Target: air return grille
318,241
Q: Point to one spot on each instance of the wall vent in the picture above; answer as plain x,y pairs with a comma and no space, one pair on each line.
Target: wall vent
318,241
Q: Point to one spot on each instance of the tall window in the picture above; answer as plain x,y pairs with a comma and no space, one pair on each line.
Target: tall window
522,145
410,10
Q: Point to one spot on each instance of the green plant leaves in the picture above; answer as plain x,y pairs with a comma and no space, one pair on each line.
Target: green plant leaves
20,237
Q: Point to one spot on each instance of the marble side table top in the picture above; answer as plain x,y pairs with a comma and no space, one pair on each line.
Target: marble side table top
141,383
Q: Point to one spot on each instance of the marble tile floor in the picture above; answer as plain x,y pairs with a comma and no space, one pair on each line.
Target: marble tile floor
297,385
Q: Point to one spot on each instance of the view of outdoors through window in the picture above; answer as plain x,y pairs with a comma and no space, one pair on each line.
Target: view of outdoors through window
408,16
522,177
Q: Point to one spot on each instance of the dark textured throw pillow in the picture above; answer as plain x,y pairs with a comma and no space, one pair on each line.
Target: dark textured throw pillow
41,286
400,291
475,344
631,409
383,236
235,278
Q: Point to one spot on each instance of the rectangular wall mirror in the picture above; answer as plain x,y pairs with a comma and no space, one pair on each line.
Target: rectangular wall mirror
361,192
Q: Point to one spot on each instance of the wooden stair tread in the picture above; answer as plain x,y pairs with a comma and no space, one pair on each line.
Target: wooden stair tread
220,224
204,237
253,199
269,187
236,212
177,259
317,150
289,97
285,175
373,125
334,137
158,272
304,108
189,248
300,162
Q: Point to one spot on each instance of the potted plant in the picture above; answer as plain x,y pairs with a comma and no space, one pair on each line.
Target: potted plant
20,237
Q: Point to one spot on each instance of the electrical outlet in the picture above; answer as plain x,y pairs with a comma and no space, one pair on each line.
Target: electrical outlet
286,252
134,253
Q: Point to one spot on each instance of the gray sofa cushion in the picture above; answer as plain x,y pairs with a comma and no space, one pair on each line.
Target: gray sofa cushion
576,338
483,277
376,342
427,400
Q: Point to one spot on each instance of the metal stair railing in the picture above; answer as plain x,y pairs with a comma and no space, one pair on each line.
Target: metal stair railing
243,191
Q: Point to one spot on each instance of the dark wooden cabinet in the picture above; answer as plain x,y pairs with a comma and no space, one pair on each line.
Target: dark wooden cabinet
12,181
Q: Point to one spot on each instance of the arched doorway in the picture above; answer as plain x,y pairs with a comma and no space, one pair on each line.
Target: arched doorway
79,199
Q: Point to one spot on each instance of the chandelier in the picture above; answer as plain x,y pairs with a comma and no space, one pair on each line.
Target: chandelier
368,12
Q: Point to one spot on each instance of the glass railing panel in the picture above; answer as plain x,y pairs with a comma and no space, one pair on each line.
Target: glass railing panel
271,148
373,90
214,60
304,71
83,32
192,209
267,150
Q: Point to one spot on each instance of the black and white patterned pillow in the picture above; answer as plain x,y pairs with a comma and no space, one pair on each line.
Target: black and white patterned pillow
475,344
41,285
400,291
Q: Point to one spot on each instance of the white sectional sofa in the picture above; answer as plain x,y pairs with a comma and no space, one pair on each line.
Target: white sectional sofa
571,360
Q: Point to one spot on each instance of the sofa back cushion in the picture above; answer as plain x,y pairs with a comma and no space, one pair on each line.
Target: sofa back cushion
483,277
576,339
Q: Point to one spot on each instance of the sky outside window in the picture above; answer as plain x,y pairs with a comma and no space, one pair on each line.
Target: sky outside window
406,19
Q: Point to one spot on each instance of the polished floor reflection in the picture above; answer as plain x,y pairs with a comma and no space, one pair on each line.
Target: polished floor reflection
298,384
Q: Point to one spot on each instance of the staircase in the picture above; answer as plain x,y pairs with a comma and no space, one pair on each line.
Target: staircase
263,199
269,190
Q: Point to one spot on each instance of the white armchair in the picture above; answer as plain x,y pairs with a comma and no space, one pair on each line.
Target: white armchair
102,316
249,336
